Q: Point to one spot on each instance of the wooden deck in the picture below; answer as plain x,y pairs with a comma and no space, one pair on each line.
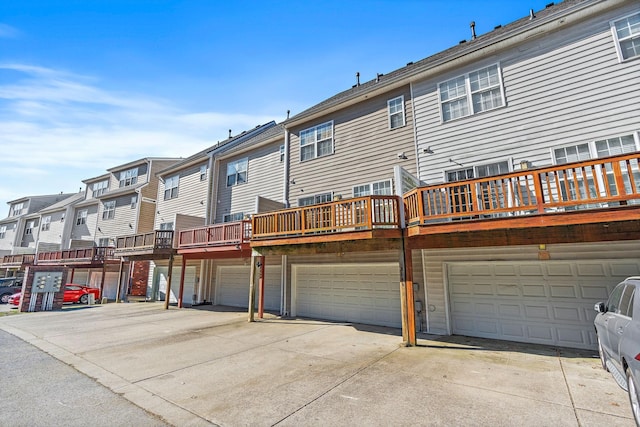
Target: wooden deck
154,243
17,260
93,256
229,239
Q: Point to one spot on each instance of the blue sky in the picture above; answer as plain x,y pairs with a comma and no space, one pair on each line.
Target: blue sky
89,85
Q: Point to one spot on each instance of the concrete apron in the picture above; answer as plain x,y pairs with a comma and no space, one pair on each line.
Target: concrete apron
209,366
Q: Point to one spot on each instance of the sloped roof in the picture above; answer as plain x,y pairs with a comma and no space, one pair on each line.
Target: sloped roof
62,204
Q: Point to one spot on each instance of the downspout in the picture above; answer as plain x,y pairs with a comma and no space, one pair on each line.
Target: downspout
285,189
415,130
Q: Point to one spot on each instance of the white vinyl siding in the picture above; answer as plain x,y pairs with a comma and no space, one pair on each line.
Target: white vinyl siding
109,209
396,112
626,33
472,93
316,141
171,187
237,172
46,223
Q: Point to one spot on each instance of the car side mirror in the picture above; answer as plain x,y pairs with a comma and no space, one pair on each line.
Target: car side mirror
599,307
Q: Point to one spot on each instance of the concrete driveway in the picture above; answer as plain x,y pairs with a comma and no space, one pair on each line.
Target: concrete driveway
209,366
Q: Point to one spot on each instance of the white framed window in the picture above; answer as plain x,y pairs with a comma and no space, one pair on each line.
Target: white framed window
237,172
472,93
134,201
166,226
233,217
17,209
395,109
128,177
99,188
81,217
626,33
203,172
171,187
109,210
316,141
380,188
315,199
29,227
478,171
105,242
3,231
282,153
46,223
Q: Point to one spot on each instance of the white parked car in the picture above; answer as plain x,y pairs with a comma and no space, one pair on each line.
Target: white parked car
618,327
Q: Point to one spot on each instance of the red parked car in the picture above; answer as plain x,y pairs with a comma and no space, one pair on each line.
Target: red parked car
72,293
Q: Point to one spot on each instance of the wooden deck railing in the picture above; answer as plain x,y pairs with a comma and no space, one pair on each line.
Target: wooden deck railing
601,183
19,259
362,213
159,239
228,233
94,254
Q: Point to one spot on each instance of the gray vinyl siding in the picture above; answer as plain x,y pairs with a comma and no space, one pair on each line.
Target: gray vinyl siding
564,89
119,225
6,244
85,231
264,178
365,149
191,200
435,276
56,229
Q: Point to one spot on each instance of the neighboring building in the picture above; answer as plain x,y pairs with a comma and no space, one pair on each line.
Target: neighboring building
56,223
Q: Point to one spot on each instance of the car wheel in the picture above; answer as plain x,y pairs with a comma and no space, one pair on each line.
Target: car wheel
603,357
84,299
634,398
4,298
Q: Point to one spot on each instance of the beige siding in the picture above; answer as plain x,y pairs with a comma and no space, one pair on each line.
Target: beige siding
146,216
366,150
192,196
119,225
435,267
85,231
267,205
564,89
151,190
185,222
56,229
264,178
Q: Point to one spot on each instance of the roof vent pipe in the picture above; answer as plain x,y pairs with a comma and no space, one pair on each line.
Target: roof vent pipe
288,112
531,14
473,30
358,78
229,133
378,75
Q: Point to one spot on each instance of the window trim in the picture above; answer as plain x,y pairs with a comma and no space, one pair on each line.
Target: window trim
204,169
330,193
281,150
134,201
508,160
81,217
402,112
128,177
108,212
171,189
244,160
315,142
591,144
29,226
166,226
616,40
97,192
46,223
3,231
233,217
469,94
17,212
371,184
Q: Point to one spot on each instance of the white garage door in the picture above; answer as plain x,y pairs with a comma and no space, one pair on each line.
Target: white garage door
232,286
189,283
546,303
110,283
359,293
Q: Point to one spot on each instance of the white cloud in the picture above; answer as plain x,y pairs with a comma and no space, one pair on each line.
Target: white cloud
8,32
59,128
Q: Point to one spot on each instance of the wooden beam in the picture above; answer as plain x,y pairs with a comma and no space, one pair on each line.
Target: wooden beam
331,247
181,291
365,235
104,274
167,295
118,289
252,289
407,303
261,288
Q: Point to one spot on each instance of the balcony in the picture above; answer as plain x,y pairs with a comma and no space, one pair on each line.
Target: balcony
578,195
359,218
18,260
88,256
216,238
154,243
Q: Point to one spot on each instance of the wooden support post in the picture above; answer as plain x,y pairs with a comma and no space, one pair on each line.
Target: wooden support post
261,288
181,292
73,270
119,280
407,298
167,296
252,288
104,273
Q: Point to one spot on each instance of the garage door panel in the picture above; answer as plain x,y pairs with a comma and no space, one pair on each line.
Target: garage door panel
547,302
232,286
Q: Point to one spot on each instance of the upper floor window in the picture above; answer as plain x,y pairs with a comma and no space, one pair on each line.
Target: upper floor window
396,112
233,217
471,93
109,211
134,201
237,172
81,217
166,226
17,209
46,223
626,33
3,231
315,199
171,187
596,149
381,188
29,227
282,153
99,188
481,171
316,141
128,177
203,172
105,242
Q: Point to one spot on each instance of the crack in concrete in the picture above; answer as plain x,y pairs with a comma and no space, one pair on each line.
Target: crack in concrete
566,382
